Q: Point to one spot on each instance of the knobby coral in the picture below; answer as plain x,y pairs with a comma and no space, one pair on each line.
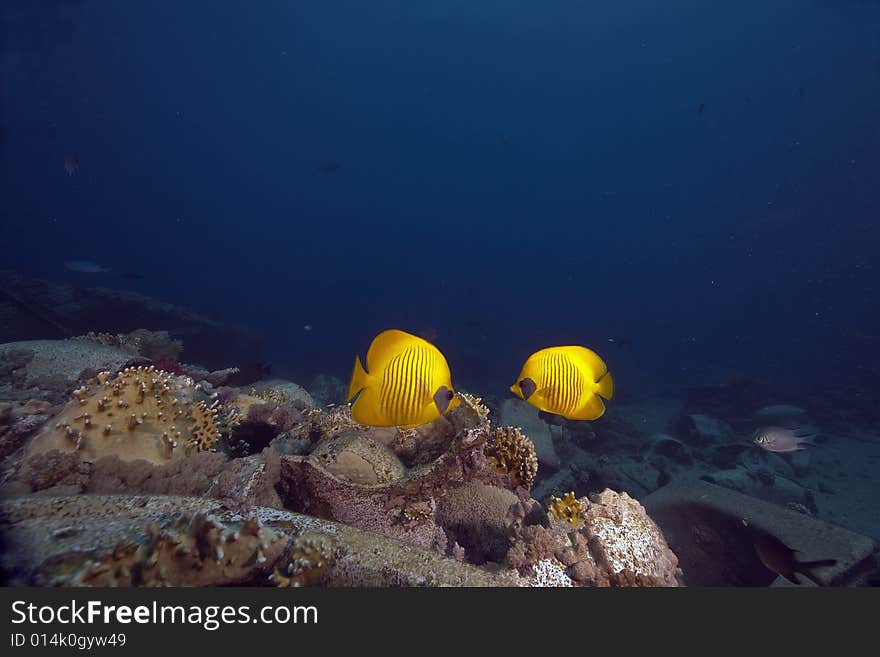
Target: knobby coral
141,413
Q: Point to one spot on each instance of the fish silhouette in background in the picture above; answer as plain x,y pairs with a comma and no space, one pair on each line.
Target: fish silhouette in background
701,108
71,164
328,167
84,267
782,560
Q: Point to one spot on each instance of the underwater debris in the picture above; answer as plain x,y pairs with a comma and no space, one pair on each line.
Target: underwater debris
142,413
511,453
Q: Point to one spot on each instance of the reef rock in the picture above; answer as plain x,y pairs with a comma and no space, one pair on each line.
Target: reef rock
782,414
100,540
50,369
605,540
283,391
516,413
328,390
51,310
712,530
702,430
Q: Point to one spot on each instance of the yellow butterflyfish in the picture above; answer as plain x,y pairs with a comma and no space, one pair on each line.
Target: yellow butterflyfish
406,383
567,381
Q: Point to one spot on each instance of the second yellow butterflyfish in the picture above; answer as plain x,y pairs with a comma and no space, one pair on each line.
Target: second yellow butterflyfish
406,382
567,381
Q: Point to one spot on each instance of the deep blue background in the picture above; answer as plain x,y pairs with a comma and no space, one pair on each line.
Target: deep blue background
512,174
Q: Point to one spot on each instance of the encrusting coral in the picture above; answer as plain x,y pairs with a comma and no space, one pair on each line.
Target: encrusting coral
142,413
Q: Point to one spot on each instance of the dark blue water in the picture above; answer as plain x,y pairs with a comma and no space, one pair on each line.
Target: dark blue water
699,180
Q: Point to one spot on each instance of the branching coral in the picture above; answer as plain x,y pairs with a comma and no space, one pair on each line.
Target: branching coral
511,453
141,413
567,508
475,406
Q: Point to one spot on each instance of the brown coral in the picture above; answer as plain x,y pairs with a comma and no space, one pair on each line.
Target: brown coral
142,413
513,454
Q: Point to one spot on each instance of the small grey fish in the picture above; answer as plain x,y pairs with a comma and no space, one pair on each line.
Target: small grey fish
84,267
779,439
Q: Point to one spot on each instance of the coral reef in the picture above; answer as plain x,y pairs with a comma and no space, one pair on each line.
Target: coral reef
18,422
616,544
328,390
48,309
154,345
281,391
407,499
50,369
142,413
178,541
474,516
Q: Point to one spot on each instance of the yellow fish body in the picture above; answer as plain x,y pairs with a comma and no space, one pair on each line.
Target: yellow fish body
406,383
567,381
